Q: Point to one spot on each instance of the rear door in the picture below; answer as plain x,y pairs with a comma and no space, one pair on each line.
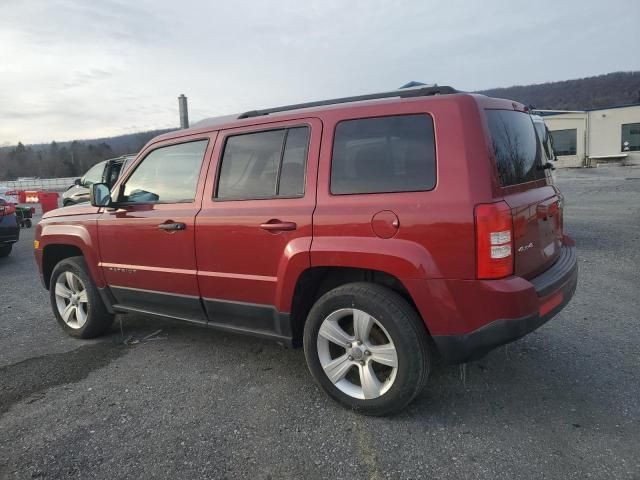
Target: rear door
147,242
255,223
525,184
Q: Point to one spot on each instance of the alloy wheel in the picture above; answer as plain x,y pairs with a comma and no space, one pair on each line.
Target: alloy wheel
357,353
71,299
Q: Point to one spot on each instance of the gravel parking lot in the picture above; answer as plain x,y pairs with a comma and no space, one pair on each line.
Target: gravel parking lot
564,402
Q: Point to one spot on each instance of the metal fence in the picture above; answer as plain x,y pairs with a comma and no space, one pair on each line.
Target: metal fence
46,184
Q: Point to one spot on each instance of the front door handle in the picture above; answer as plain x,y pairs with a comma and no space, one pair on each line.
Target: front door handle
278,226
172,226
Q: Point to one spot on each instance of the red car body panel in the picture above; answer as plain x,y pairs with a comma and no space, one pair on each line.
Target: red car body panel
240,261
152,259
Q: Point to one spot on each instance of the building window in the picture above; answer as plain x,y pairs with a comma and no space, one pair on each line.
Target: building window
631,137
564,141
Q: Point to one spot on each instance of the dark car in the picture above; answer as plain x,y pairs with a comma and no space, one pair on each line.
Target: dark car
107,172
374,231
9,226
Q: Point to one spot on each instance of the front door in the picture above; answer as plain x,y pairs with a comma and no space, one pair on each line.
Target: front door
147,242
253,234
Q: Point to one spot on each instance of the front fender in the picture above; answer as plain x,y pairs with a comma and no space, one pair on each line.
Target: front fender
80,235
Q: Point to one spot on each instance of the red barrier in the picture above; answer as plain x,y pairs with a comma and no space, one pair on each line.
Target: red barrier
48,200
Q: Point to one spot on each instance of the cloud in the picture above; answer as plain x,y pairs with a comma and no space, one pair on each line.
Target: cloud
83,78
76,68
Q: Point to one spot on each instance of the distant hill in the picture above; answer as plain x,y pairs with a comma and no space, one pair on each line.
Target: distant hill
612,89
121,144
67,159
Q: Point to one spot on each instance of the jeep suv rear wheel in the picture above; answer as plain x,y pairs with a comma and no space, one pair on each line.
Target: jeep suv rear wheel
367,347
76,301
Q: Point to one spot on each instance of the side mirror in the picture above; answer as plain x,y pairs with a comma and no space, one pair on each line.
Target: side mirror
99,195
77,181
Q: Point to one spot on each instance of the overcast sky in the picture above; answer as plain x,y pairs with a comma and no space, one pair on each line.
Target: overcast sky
73,69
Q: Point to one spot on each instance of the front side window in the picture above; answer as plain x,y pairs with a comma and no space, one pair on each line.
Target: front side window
565,141
516,148
260,165
93,175
384,155
631,137
166,175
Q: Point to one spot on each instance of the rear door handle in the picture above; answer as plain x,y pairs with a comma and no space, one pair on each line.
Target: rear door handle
172,226
278,226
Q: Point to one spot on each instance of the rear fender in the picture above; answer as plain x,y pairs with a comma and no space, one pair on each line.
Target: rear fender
401,258
294,261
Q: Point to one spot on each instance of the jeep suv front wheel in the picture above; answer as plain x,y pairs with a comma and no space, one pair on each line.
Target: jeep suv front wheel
76,301
367,347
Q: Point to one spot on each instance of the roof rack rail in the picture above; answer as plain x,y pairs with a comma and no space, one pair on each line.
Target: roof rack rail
402,93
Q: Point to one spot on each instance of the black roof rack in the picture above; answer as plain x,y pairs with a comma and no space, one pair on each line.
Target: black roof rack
402,93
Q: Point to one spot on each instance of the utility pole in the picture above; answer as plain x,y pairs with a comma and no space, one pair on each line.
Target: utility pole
184,112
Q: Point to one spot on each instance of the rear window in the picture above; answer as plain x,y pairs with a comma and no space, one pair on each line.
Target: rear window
383,155
515,147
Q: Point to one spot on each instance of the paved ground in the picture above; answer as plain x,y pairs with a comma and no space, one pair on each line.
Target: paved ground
562,403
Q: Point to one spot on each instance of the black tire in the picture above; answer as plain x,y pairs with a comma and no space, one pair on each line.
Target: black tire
5,250
405,329
27,223
98,319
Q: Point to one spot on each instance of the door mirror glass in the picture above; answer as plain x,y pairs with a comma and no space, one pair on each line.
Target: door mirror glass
77,181
100,195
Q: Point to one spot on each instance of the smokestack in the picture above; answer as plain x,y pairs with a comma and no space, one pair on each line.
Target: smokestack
184,111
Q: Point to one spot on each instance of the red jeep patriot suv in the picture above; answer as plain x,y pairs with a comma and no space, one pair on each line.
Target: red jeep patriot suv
375,231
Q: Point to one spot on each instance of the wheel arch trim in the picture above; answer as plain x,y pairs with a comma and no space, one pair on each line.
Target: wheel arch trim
78,236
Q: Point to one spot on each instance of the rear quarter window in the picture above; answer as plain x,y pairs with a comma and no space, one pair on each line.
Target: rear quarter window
384,155
515,146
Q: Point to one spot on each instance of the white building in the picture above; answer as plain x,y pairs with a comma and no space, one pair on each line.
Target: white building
586,138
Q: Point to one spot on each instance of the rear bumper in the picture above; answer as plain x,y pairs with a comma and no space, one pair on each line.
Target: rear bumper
553,290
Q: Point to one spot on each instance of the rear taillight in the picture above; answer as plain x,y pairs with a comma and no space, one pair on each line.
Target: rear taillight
494,240
7,209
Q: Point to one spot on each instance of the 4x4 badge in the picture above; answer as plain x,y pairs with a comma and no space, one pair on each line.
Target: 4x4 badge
524,248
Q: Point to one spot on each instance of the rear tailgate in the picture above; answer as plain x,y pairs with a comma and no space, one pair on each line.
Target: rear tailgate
537,229
535,204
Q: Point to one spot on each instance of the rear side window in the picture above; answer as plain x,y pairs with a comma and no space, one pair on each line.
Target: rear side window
384,155
269,164
515,147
